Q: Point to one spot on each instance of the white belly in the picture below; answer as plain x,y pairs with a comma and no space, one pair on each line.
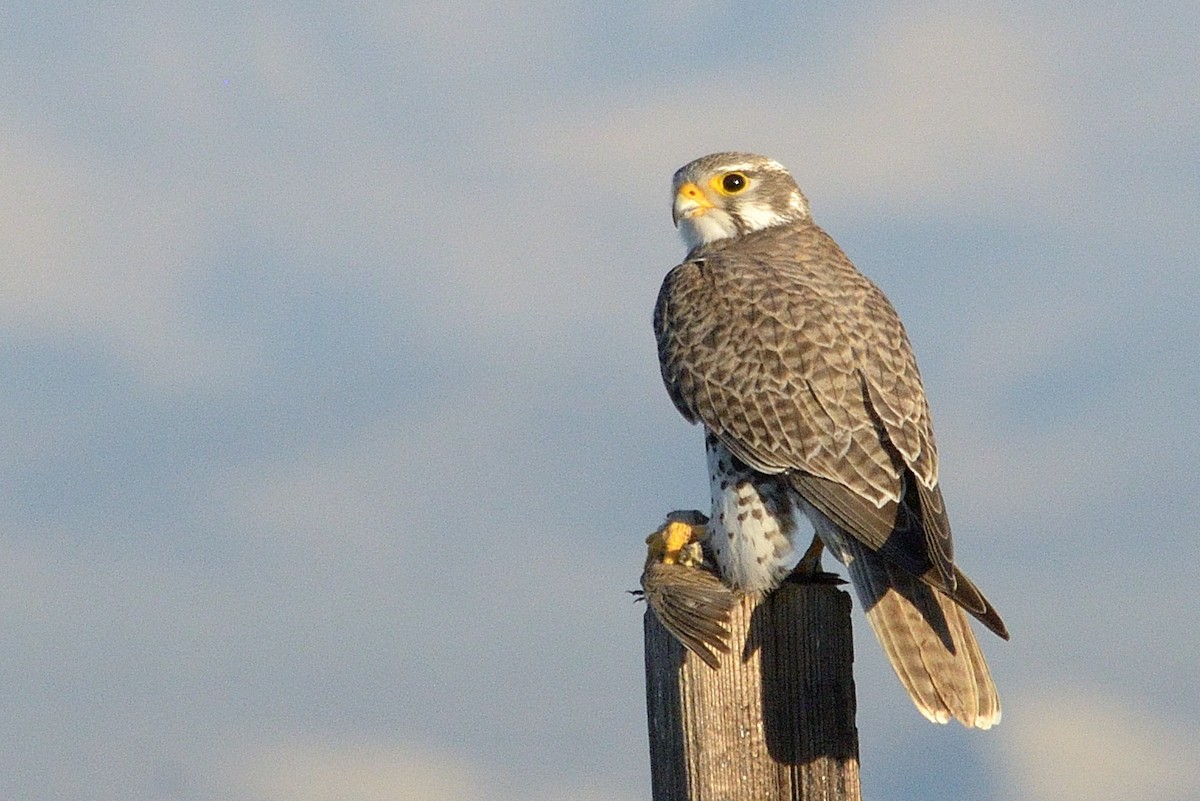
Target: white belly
751,531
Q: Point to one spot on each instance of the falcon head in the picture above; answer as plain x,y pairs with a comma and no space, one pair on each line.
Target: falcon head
732,194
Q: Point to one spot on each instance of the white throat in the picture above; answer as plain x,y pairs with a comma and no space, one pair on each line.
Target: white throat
705,228
714,224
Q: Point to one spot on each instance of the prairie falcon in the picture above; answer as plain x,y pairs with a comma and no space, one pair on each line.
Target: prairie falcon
805,382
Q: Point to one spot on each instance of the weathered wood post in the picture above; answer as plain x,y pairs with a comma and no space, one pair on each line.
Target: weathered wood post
775,722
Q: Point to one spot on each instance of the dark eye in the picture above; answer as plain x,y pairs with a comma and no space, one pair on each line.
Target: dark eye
734,182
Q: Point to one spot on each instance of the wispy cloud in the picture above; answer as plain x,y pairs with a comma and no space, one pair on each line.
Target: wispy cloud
330,403
1080,745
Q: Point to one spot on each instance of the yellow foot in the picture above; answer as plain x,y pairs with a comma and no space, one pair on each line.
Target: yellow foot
686,596
677,541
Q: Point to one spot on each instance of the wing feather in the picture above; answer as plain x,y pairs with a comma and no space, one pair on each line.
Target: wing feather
797,363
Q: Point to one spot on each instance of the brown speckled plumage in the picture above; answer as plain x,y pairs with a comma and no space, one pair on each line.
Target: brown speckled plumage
800,370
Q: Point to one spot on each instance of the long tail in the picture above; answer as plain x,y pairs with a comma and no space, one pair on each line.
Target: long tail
928,640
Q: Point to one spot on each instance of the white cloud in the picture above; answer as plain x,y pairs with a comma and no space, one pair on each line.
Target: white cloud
488,38
228,144
932,102
1078,745
363,770
94,252
374,770
914,109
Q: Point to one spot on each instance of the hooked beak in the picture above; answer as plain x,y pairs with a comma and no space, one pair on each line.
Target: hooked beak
690,201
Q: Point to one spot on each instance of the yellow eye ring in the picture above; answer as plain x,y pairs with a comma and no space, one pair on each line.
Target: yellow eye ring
731,183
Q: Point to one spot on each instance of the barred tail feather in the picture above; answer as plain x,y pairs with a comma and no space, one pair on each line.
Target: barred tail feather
928,641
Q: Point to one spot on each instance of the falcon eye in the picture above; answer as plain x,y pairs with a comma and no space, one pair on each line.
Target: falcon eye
734,182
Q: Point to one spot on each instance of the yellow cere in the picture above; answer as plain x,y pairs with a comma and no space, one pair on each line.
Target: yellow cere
694,194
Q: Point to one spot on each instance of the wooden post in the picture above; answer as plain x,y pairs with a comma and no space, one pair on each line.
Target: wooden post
775,722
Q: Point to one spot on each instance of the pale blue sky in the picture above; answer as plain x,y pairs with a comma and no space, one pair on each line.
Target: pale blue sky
331,425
